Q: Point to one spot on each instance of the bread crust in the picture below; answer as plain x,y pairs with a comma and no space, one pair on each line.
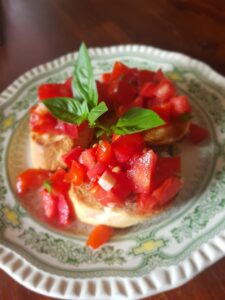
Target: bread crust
89,211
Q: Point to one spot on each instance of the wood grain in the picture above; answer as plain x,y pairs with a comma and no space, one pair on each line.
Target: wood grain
33,32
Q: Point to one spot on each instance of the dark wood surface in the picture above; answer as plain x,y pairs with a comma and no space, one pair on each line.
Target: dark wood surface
36,31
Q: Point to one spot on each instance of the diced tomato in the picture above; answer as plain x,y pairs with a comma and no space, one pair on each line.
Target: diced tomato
119,70
123,186
144,76
163,110
99,235
104,152
179,106
63,210
58,183
145,203
147,90
53,90
68,82
31,179
127,145
96,171
121,93
41,121
75,174
72,155
164,90
115,137
138,102
166,167
197,134
159,76
105,77
167,190
88,158
106,198
141,173
68,129
49,204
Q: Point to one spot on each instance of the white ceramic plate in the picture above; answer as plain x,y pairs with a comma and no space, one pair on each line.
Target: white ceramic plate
158,255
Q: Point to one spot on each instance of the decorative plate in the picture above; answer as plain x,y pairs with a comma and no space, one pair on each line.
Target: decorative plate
158,255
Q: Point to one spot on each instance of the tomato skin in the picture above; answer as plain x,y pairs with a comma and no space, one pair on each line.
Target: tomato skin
76,174
68,129
123,187
31,179
144,76
99,236
53,90
72,155
68,82
197,134
179,106
104,152
63,210
146,203
141,173
127,145
41,122
148,89
49,204
163,110
106,198
119,70
105,77
121,93
96,171
88,158
58,183
164,90
167,190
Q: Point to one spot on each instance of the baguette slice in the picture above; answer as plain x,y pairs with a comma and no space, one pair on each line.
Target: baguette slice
47,149
89,211
168,134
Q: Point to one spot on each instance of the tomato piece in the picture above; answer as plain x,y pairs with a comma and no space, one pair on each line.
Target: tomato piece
41,121
166,167
72,155
88,158
99,236
49,204
138,102
147,90
163,110
127,145
123,186
146,203
141,173
53,90
121,93
167,190
96,171
159,76
31,179
179,106
105,77
104,152
68,82
75,174
58,183
197,134
106,198
145,76
119,70
63,210
164,90
68,129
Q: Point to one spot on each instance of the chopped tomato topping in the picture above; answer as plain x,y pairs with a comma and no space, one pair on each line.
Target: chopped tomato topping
104,152
70,130
197,134
127,145
163,110
58,183
179,106
31,179
72,155
76,174
53,90
123,186
99,236
119,70
49,204
88,158
106,198
165,90
96,171
141,173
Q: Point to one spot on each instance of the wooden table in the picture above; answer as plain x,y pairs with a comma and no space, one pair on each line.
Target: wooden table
33,32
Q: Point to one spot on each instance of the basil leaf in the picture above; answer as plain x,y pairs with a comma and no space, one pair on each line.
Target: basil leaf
47,186
67,109
83,83
96,112
137,119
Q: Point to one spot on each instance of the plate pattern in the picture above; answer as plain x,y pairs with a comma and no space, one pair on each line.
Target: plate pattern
160,254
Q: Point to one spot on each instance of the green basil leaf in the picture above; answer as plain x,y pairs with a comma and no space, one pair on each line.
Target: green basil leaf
96,112
83,83
67,109
47,186
137,119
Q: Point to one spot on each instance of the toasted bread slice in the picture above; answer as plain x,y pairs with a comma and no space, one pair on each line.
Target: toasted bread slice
167,134
89,211
47,149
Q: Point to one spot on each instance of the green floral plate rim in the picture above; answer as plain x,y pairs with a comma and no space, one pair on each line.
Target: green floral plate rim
158,255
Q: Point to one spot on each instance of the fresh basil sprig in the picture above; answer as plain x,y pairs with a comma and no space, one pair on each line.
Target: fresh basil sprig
85,106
